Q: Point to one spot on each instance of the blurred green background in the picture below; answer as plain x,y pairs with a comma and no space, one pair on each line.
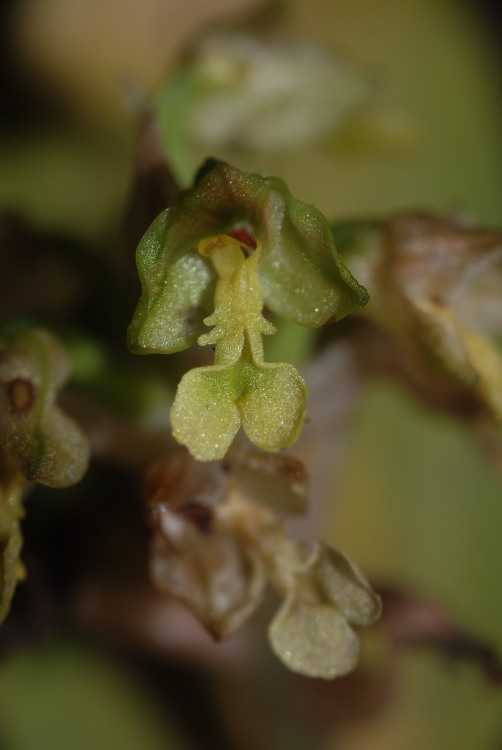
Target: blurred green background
417,503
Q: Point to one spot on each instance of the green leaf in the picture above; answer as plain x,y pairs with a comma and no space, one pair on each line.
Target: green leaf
62,695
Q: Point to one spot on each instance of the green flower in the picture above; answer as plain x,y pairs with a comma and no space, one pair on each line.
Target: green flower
228,247
44,443
38,441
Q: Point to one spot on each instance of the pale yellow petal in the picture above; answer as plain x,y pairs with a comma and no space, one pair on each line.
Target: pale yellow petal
204,416
313,639
273,406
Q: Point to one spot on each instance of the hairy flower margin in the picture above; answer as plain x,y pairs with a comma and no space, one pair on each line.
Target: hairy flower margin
231,245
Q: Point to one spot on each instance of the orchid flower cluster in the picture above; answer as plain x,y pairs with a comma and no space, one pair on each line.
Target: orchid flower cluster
224,250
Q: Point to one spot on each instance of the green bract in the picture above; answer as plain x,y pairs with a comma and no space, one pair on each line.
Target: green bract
227,247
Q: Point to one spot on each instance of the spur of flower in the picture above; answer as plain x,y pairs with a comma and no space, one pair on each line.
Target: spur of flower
230,246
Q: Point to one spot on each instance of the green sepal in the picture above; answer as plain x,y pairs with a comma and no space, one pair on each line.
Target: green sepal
177,287
303,278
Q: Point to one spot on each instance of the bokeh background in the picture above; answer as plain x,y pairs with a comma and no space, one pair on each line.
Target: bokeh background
415,502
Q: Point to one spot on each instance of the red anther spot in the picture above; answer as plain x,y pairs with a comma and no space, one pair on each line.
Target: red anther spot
245,238
21,394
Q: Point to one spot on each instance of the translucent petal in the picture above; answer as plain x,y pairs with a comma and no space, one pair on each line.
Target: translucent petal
340,581
276,480
313,639
268,92
208,571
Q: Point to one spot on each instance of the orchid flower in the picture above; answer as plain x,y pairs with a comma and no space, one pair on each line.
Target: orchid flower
227,248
